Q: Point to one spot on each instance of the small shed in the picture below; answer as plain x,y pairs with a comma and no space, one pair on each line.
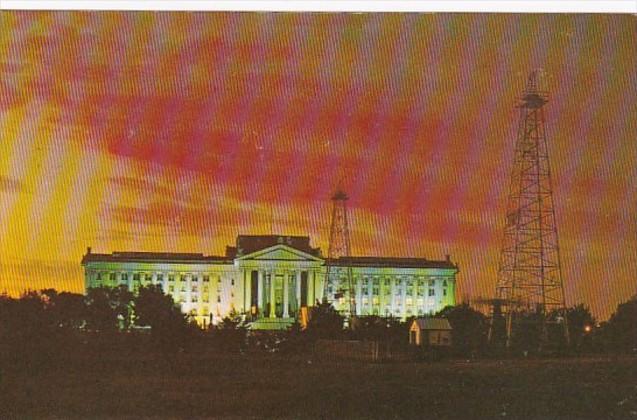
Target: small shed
430,332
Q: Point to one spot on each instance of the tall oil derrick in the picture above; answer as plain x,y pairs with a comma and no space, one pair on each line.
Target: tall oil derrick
529,274
339,246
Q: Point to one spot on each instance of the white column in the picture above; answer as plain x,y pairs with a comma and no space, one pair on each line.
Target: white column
370,296
286,279
247,290
260,292
311,287
403,282
392,292
188,278
359,295
130,281
272,295
298,289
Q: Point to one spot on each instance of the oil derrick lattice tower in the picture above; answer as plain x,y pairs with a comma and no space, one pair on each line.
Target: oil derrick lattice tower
529,274
338,280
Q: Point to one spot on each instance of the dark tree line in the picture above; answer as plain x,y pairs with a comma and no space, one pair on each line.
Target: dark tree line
41,323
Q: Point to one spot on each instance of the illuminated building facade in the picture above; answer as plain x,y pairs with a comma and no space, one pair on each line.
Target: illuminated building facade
273,278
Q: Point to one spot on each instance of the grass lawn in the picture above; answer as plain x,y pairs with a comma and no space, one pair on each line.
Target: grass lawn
191,385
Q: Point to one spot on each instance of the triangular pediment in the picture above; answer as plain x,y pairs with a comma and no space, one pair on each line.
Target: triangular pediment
279,253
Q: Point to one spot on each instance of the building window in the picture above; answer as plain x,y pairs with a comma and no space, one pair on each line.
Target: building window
218,299
432,292
206,279
124,277
194,288
171,278
98,277
183,289
444,292
365,290
113,277
171,289
410,292
205,298
183,279
387,282
232,282
444,283
195,298
195,279
136,277
160,277
376,291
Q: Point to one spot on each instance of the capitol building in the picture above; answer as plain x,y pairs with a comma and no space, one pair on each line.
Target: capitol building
273,279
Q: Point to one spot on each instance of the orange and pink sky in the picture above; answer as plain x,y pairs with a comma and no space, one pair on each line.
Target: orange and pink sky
177,131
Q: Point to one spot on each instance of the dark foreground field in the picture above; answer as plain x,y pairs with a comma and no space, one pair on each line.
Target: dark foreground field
134,385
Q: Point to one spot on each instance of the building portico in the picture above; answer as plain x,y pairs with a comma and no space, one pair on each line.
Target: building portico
279,281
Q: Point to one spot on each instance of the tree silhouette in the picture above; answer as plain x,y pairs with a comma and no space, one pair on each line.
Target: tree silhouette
325,322
469,327
619,334
101,316
580,323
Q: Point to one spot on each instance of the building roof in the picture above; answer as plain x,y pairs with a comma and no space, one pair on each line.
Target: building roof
247,244
164,257
392,262
433,323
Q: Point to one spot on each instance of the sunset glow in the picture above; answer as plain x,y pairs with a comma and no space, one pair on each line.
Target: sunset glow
146,131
